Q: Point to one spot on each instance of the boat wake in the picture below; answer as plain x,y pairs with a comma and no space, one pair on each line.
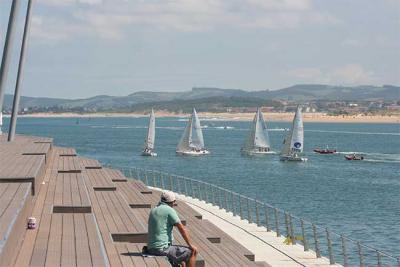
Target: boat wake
225,127
375,157
350,132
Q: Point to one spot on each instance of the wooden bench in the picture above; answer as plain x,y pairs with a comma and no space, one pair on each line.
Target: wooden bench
37,149
20,169
69,165
71,194
98,179
62,238
15,207
89,163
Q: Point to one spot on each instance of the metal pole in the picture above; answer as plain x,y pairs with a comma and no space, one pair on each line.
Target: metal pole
212,191
8,43
287,225
154,178
278,233
17,92
378,254
205,193
178,184
162,181
292,235
186,189
317,251
137,174
240,207
191,186
344,251
233,204
303,233
145,177
226,201
170,183
267,219
200,192
257,214
248,211
330,249
360,254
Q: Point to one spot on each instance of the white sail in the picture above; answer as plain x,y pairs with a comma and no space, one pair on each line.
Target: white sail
258,137
261,137
184,142
196,141
192,137
294,141
297,139
149,143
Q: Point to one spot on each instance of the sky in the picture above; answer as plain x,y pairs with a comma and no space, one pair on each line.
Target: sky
82,48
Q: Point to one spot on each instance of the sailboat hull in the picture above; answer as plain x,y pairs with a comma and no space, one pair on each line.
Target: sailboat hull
149,154
293,158
193,153
257,153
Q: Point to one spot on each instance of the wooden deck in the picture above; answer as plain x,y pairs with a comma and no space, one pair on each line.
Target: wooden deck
87,215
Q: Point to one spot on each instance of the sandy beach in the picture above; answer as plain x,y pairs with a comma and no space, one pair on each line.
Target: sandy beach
308,117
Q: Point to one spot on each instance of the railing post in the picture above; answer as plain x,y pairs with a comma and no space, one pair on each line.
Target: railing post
191,185
287,225
226,201
145,178
248,210
162,180
206,199
212,190
378,255
360,254
344,251
257,214
240,207
198,185
170,183
304,236
330,249
316,241
233,204
185,184
154,178
178,184
137,174
219,198
267,219
278,232
292,234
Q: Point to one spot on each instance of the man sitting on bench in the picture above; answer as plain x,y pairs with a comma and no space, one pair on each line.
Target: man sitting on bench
162,219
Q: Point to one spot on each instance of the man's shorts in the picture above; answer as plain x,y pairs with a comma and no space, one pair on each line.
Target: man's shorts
175,254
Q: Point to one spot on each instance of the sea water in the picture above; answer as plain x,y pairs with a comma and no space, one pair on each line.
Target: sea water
358,198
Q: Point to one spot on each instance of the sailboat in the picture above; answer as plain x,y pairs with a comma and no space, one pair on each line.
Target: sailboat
192,142
257,142
151,132
293,143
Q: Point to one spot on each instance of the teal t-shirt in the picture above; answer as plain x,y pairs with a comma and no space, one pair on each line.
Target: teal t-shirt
161,221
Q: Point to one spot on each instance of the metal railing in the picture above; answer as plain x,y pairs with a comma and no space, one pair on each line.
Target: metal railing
338,248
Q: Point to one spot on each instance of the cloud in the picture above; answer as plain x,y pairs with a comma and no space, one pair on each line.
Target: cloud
352,43
111,19
353,74
349,74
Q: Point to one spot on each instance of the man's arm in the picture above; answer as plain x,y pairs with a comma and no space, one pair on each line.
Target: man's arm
185,236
